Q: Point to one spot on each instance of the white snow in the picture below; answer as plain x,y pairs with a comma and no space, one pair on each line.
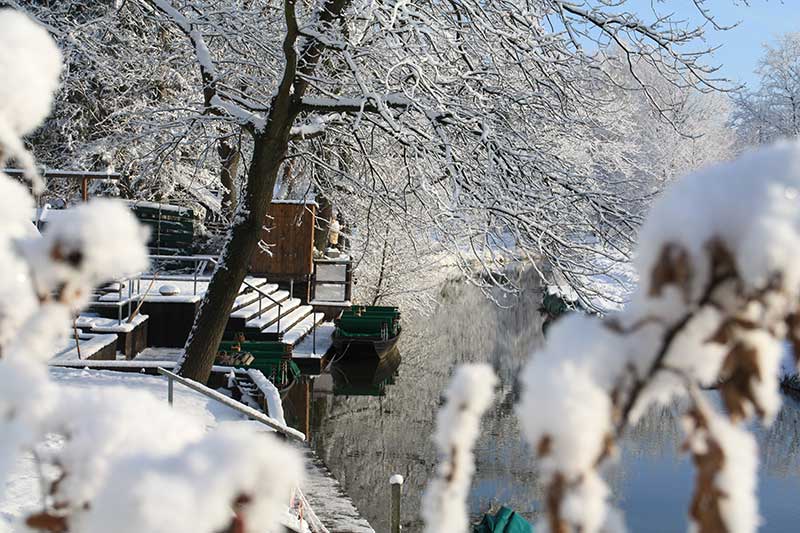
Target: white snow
444,504
112,325
750,208
30,66
199,414
270,392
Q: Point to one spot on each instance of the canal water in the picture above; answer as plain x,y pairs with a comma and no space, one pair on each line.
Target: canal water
368,424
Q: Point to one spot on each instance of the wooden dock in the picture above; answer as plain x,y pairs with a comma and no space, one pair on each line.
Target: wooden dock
332,506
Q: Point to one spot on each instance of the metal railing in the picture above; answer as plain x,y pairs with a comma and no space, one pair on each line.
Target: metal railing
229,402
270,298
314,523
120,302
200,263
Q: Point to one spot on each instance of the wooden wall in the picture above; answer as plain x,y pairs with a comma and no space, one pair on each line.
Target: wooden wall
291,240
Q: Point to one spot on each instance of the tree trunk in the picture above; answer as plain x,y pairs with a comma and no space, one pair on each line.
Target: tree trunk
323,222
209,325
269,152
229,158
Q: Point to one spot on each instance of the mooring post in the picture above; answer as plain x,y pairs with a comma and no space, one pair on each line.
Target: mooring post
396,481
169,390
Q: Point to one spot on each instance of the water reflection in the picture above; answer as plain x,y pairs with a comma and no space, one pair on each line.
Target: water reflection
366,376
365,438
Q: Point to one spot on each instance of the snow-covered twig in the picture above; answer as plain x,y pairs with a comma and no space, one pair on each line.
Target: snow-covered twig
444,505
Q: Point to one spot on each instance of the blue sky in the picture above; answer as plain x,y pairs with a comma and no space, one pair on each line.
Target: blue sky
741,48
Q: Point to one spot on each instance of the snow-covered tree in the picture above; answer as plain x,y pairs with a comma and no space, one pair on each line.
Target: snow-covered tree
772,110
686,128
473,126
104,456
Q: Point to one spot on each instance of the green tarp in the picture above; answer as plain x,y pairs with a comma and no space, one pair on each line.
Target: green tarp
503,521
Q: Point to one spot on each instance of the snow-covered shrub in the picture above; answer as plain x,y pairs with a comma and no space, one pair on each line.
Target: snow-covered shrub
719,264
115,460
31,65
444,505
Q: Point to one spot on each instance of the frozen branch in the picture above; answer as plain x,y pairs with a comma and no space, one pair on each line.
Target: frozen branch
444,506
215,101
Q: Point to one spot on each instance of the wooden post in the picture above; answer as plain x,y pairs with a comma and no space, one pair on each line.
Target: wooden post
307,406
85,188
396,482
169,390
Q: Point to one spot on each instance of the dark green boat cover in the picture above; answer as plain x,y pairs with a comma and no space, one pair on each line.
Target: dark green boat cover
503,521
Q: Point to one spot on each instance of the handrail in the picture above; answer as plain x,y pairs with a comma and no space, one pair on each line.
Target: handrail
211,259
270,298
229,402
261,293
119,303
197,259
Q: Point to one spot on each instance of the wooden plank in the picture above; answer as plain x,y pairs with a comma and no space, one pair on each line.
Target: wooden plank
291,240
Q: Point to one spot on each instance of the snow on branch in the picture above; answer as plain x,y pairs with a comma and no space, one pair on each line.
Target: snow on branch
369,104
31,63
216,101
109,460
444,506
719,294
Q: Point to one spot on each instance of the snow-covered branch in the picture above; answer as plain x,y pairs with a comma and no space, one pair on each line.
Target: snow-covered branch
216,101
713,308
444,504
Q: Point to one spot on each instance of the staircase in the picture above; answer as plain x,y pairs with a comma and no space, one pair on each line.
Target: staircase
264,312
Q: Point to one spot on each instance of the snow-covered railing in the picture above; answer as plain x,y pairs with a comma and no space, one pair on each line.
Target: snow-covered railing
229,402
270,392
84,176
99,296
202,260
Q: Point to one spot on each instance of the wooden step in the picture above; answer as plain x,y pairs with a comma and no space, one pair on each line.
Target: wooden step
290,320
303,328
271,316
241,316
257,281
247,295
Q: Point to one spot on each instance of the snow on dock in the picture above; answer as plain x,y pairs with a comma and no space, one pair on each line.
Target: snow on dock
330,503
305,349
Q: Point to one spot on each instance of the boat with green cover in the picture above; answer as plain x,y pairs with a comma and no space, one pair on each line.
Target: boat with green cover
505,520
364,330
272,358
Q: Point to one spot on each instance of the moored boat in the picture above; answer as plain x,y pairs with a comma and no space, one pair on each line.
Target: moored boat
365,330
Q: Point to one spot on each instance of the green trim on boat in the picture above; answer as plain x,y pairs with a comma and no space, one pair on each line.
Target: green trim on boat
504,520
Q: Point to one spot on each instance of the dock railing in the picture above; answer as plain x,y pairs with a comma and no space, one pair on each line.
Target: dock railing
306,512
200,262
121,301
251,413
